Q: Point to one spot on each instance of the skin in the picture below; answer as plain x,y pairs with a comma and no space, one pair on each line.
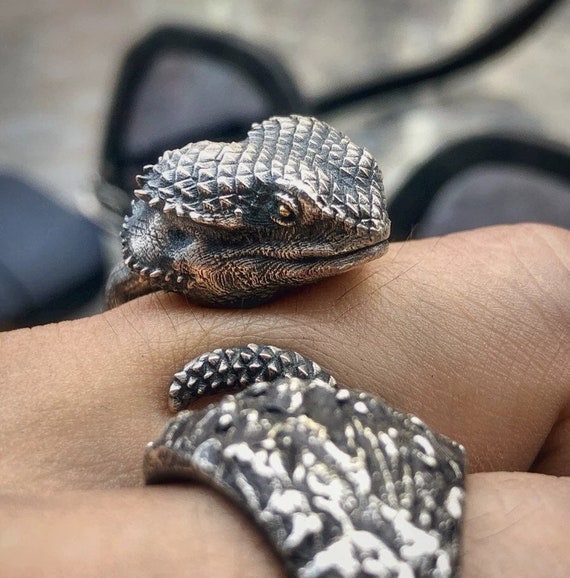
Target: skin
469,331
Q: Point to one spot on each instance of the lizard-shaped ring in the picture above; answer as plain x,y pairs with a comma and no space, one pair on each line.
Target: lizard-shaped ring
342,484
233,224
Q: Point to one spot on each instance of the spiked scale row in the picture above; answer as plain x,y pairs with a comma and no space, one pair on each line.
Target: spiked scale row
234,368
153,274
217,182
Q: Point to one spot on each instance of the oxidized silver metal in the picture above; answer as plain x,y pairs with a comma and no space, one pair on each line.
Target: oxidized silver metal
343,485
232,368
233,224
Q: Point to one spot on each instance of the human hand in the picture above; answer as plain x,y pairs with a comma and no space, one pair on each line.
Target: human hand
470,332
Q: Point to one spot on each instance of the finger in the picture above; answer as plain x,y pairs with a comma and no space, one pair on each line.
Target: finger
468,331
139,532
516,525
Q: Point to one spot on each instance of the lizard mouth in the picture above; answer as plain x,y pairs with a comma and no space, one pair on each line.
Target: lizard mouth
339,262
247,268
374,249
314,255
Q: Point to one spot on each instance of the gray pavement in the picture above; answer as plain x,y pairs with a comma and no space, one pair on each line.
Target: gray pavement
58,61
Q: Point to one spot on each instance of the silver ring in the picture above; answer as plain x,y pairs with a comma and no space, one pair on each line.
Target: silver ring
342,485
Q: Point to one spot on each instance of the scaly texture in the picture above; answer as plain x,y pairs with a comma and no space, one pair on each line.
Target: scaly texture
223,370
233,224
343,485
213,182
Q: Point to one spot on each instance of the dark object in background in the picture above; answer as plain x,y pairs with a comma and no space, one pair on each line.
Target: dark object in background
182,84
484,180
51,261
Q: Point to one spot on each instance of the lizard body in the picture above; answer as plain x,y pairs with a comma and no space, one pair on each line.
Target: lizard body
340,483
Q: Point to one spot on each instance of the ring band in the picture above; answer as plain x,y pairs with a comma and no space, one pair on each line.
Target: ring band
341,484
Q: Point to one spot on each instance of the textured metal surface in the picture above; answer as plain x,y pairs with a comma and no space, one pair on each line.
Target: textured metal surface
234,224
233,368
212,182
342,485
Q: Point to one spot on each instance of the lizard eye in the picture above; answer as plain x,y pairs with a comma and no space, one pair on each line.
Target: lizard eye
285,211
284,215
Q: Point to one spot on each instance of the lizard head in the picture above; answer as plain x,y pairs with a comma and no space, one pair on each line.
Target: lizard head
232,224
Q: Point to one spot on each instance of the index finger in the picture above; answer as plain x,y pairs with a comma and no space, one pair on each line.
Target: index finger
468,331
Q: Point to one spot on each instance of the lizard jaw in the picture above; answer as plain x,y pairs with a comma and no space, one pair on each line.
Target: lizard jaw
357,256
312,267
317,268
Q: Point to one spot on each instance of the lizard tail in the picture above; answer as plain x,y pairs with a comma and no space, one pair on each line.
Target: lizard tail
234,368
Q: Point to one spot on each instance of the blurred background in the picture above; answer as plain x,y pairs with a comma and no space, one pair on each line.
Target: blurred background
59,67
